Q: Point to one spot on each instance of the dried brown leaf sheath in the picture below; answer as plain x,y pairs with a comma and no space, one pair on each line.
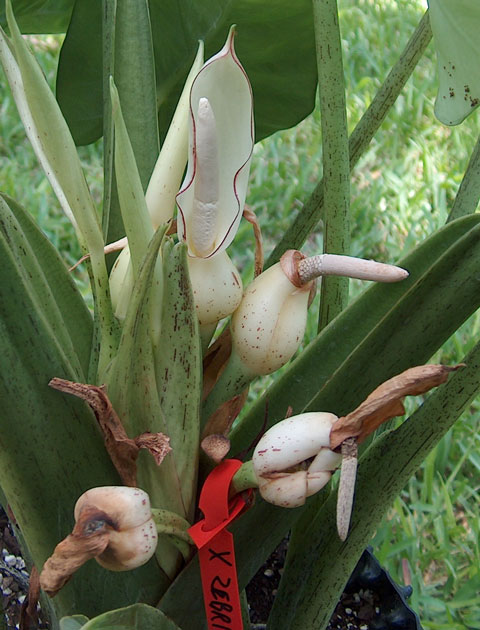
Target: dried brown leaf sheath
221,420
123,450
385,402
88,539
215,360
251,217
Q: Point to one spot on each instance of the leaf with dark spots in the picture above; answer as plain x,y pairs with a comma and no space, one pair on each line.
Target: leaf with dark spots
386,401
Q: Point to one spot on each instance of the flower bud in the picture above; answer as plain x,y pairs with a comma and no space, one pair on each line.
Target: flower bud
282,459
269,324
217,287
132,530
121,283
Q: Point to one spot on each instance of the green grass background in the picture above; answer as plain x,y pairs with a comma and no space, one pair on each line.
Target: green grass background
402,190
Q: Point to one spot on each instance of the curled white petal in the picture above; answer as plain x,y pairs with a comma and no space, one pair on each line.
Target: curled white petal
316,481
284,490
223,83
290,445
292,441
121,283
128,507
325,460
130,548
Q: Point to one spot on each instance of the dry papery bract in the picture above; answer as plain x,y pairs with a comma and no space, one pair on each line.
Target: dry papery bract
386,402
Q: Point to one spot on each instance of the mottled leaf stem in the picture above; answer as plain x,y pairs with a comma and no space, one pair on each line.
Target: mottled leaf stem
468,194
336,167
361,136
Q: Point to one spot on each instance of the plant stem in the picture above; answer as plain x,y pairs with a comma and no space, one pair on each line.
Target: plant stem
468,194
360,138
244,478
336,166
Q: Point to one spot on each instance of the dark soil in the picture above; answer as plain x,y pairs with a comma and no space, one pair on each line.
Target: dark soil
354,611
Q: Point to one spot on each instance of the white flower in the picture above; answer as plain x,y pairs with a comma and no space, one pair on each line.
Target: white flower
293,460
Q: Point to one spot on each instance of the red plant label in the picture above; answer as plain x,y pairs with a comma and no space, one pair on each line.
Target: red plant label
216,549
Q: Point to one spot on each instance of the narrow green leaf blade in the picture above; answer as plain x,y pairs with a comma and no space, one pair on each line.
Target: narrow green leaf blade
85,16
134,73
136,218
47,277
178,367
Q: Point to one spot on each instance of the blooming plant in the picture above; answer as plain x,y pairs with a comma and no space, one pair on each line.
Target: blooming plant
121,415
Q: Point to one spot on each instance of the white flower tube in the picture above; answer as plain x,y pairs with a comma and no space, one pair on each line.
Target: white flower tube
282,460
269,324
212,197
132,530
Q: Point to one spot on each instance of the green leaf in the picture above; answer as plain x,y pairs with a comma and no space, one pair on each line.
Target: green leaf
54,147
39,16
136,617
178,367
75,622
46,436
53,290
455,27
85,16
136,218
148,373
310,590
268,45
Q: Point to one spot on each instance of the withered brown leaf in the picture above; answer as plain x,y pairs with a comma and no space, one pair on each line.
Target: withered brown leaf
89,539
221,420
215,360
251,217
123,450
386,402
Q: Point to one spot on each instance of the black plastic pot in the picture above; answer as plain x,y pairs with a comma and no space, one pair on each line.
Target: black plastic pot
392,610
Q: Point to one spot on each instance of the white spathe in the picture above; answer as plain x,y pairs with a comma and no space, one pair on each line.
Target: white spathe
221,142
